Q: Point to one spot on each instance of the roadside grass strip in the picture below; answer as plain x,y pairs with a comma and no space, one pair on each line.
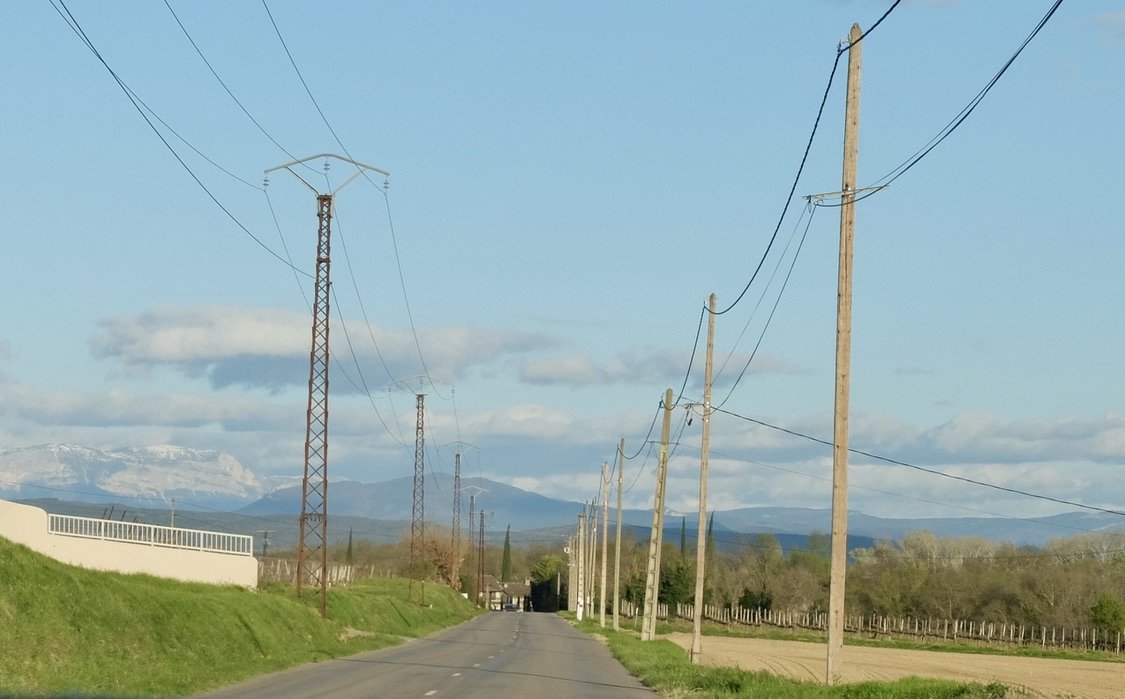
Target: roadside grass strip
666,668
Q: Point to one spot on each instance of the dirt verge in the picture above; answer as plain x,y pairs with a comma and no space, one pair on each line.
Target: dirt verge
1028,677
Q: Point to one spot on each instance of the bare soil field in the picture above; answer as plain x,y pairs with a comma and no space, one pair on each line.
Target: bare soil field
1027,677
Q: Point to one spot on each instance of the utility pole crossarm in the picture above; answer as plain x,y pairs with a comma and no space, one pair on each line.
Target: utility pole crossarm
816,199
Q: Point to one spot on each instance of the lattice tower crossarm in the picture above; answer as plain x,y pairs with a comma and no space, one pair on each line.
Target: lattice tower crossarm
312,554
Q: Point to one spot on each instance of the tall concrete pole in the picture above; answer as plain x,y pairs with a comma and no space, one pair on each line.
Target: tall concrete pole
571,574
591,555
480,565
617,542
605,540
843,367
472,518
704,451
656,537
581,611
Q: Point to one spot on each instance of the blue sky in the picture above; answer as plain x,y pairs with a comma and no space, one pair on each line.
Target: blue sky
569,183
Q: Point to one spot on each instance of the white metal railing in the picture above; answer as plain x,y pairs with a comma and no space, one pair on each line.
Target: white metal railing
151,535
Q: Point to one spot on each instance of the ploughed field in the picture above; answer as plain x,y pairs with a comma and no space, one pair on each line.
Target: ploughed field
1031,677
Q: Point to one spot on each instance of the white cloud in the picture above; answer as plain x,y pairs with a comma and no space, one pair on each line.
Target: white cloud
528,420
1113,24
122,408
254,347
640,367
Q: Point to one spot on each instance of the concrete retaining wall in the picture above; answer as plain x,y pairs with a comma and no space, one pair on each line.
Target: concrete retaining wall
27,525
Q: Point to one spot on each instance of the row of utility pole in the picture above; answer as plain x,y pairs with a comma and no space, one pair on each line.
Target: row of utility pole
312,552
584,539
833,664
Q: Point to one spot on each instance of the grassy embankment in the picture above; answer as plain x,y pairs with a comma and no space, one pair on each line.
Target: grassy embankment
65,630
665,667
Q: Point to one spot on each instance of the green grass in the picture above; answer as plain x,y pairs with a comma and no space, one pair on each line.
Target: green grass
665,667
70,631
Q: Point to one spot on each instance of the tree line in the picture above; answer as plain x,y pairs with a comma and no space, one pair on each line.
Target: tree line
1074,582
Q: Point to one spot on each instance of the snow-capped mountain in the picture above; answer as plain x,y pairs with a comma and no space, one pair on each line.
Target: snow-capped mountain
155,474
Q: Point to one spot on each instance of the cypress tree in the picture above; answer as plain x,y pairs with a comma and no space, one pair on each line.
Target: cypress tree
709,552
506,561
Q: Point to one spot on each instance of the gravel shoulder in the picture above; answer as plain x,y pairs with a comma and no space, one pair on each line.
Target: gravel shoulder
1028,677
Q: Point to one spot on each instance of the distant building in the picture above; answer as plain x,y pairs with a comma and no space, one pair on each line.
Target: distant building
498,594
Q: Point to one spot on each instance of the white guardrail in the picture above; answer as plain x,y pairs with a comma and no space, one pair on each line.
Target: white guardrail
151,535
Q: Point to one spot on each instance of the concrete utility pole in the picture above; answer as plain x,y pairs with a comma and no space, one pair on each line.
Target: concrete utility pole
313,541
605,539
571,574
480,564
656,537
843,366
704,451
580,612
617,542
591,555
472,515
418,512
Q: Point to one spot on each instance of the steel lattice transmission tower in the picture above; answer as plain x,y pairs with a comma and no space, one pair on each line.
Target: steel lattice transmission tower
312,550
455,535
418,513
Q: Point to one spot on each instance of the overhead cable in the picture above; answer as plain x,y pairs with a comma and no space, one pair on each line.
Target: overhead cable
957,120
923,469
72,22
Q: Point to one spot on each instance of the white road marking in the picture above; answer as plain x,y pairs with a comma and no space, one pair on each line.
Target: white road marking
430,693
456,674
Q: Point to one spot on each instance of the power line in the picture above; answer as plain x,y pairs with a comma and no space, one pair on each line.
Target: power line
215,73
958,119
694,349
923,469
773,310
366,322
364,389
793,187
366,176
903,496
302,77
72,22
402,283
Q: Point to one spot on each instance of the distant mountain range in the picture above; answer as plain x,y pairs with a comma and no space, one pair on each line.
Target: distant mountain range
147,475
145,480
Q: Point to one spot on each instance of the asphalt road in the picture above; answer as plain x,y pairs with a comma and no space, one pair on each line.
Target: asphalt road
500,654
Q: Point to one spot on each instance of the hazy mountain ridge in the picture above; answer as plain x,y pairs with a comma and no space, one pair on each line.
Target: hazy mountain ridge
532,513
205,479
